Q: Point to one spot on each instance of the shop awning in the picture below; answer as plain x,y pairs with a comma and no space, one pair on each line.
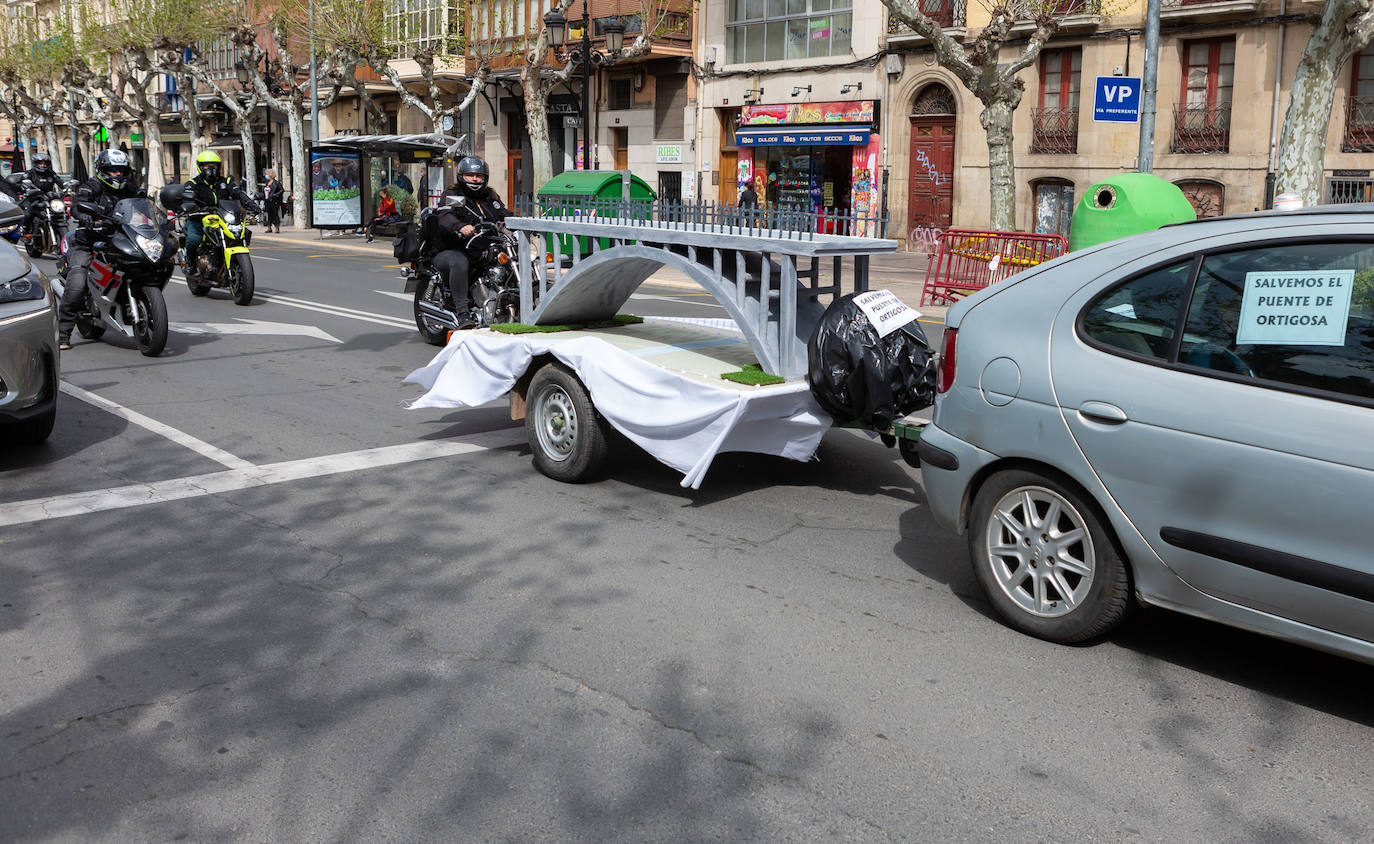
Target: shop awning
803,136
425,141
226,142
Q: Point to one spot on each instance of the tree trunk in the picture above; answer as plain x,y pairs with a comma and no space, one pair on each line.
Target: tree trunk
996,120
152,148
50,138
1302,143
250,155
537,125
300,168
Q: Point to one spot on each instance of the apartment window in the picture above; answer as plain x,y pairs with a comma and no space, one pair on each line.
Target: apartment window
1207,197
621,95
416,25
1202,120
1056,117
1359,113
220,56
1053,206
773,30
670,103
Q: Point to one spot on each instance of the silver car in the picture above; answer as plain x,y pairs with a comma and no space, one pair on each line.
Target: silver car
29,361
1185,417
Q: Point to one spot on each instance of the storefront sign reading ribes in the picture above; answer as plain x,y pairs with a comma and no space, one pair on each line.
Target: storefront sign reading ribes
1301,308
669,154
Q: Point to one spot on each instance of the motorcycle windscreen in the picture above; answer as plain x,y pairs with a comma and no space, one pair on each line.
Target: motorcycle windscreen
230,211
138,214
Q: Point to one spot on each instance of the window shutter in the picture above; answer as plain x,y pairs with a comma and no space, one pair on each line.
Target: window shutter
670,100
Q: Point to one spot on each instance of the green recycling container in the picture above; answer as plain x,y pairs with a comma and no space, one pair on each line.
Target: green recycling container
580,193
1126,204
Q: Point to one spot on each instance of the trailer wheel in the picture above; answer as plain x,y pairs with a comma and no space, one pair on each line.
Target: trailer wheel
566,434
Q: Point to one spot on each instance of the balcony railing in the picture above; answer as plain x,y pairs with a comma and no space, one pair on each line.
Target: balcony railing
1028,9
949,14
1202,127
1056,130
1340,191
1359,125
1175,4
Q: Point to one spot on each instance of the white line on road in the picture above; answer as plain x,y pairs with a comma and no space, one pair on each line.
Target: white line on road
335,310
408,297
181,438
175,489
265,258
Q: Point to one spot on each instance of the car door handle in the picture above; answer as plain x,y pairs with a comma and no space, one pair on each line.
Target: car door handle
1100,411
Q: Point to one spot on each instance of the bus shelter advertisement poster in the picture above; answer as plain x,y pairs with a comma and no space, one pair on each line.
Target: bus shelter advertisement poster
336,192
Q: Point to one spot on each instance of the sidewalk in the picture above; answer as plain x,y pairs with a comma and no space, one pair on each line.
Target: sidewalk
903,273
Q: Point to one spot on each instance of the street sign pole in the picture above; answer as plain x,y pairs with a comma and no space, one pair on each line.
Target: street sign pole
1145,162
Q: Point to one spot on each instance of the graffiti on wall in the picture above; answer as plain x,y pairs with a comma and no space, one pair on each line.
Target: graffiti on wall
935,177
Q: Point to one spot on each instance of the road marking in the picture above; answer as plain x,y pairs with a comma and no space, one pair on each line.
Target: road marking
214,483
265,258
408,297
657,298
253,326
181,438
335,310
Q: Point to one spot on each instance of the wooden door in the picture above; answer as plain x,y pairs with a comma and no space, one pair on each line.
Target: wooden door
931,194
729,175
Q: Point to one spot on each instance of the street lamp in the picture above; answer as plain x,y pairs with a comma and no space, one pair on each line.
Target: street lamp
614,30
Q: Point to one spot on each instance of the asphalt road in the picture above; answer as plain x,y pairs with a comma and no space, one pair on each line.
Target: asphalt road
301,612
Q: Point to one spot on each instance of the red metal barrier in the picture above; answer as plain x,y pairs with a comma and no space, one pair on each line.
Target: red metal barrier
967,260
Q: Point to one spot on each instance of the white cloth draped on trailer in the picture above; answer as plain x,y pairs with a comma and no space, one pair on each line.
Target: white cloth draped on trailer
681,421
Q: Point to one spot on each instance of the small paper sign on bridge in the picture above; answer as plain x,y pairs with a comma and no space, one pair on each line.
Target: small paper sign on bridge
885,310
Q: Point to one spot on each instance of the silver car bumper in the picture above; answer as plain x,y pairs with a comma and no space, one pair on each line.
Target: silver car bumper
28,361
948,465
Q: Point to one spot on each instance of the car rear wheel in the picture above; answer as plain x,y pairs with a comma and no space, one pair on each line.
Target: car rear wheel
1045,560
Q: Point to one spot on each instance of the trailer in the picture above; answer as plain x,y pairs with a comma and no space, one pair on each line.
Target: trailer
684,390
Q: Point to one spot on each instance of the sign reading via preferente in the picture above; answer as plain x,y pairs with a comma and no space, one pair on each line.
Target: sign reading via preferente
1304,308
1116,99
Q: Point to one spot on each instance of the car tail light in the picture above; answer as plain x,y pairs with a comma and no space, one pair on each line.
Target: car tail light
945,377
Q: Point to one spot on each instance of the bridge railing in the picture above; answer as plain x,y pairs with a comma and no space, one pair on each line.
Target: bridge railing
785,222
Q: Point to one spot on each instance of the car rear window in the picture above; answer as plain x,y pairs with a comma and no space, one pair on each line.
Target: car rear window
1140,315
1298,314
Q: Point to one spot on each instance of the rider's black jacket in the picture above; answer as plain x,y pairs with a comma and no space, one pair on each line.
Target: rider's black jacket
465,210
104,198
201,194
46,182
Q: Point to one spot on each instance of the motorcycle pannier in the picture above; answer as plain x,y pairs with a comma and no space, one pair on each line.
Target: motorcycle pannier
406,246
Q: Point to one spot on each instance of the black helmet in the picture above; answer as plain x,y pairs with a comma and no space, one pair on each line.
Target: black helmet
113,168
472,164
42,164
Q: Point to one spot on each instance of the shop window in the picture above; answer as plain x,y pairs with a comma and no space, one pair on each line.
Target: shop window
1056,115
621,94
773,30
1202,119
1359,109
1207,197
1053,206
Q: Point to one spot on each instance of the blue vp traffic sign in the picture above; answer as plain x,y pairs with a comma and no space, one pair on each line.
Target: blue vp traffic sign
1116,99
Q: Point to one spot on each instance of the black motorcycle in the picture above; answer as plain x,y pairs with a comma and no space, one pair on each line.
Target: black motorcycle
131,262
44,232
493,287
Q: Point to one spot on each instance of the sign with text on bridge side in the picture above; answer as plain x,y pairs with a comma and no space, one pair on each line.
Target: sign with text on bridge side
1299,308
885,311
1116,99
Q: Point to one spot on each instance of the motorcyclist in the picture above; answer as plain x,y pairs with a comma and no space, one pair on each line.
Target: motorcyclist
114,180
463,207
203,193
42,176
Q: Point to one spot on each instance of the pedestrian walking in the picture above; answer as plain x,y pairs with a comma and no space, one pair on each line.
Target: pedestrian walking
748,204
272,194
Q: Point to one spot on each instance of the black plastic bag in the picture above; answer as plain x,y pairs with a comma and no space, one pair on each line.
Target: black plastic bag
858,376
406,246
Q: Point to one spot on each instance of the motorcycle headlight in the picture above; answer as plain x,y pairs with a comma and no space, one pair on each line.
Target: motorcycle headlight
230,219
236,231
151,246
57,206
21,289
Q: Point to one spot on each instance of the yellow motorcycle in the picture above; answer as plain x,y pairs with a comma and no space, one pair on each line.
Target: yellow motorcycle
222,258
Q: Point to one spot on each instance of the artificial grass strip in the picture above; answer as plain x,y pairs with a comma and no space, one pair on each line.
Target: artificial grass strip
753,375
525,328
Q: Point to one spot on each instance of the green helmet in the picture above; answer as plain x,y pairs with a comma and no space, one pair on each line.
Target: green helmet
209,164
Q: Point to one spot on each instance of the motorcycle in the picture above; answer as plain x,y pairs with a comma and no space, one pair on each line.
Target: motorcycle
493,287
222,258
131,263
49,220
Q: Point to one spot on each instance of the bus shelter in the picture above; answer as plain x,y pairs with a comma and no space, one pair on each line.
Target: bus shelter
347,173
